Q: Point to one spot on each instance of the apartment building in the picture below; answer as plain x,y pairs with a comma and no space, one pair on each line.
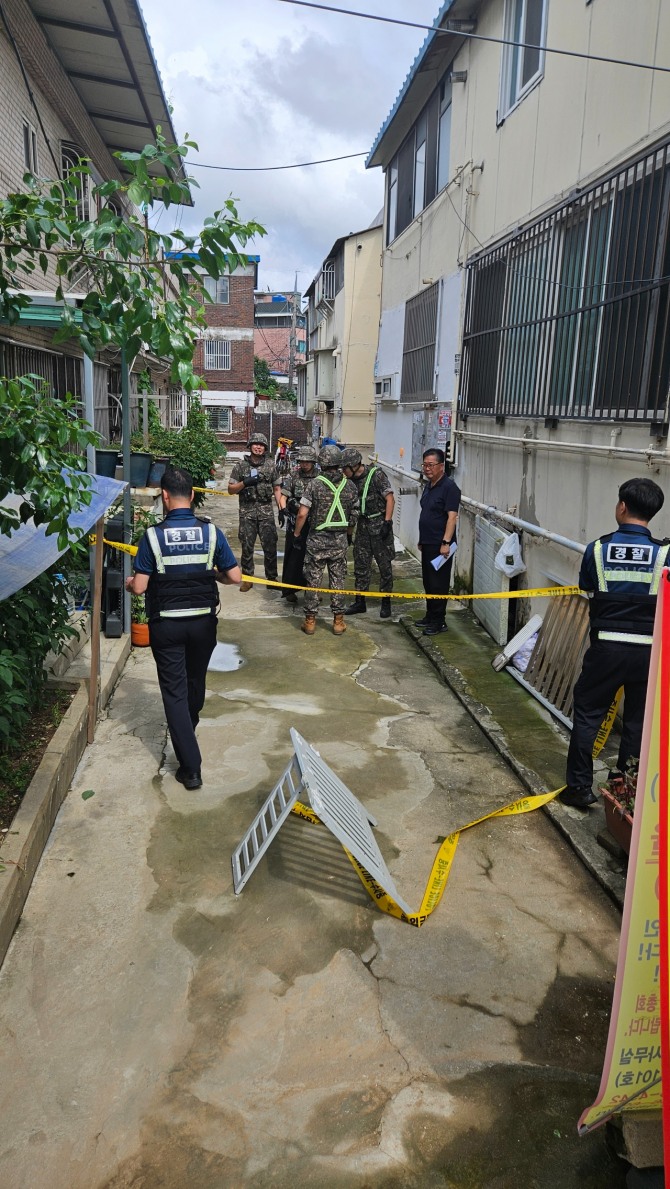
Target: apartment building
279,333
77,78
525,308
335,388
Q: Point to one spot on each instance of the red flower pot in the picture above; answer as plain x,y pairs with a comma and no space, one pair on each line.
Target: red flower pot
619,822
139,634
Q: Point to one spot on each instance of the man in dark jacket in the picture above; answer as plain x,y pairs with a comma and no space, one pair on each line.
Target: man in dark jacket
440,501
623,571
178,565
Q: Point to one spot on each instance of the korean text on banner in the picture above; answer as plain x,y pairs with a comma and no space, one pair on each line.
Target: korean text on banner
631,1076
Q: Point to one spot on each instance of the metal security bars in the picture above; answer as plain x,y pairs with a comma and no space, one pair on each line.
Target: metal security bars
418,358
571,316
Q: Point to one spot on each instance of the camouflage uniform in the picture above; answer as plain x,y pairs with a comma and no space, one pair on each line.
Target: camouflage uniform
256,513
293,488
328,547
368,543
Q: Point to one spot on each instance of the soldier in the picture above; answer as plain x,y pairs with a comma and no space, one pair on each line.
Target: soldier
288,496
374,533
331,501
253,479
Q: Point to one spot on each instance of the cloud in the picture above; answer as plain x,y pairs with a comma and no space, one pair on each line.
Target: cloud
265,83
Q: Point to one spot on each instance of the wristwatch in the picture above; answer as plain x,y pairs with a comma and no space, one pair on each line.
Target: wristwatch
446,542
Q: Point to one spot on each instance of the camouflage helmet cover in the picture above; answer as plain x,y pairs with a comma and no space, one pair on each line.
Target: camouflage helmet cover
306,454
258,439
351,458
330,456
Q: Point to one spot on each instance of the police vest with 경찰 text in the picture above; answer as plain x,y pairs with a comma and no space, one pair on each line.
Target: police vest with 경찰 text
183,584
628,575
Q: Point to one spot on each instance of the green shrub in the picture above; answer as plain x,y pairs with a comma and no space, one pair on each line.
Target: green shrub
196,447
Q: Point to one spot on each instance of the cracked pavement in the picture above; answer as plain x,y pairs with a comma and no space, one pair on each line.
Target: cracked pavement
158,1030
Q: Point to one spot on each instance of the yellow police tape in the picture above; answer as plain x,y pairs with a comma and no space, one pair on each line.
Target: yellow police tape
437,880
535,592
213,491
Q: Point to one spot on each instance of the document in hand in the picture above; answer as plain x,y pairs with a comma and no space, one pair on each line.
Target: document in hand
439,561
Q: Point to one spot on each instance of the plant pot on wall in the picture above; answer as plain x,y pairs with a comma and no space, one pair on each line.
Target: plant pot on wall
140,465
157,471
619,822
105,463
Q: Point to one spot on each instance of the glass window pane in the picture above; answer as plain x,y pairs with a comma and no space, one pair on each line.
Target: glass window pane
444,148
419,178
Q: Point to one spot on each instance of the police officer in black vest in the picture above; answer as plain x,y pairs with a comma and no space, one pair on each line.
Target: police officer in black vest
623,571
178,564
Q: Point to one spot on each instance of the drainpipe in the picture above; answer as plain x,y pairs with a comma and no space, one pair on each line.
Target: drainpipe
650,454
474,506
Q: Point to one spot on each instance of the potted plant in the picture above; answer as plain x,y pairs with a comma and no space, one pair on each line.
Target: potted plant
139,623
106,458
619,801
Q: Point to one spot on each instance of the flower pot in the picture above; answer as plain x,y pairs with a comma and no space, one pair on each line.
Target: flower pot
140,465
157,471
105,463
619,822
139,634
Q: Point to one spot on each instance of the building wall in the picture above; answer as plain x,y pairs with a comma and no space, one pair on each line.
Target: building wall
356,365
579,121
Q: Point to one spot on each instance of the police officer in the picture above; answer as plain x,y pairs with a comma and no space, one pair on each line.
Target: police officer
178,564
253,478
623,571
331,502
288,495
374,531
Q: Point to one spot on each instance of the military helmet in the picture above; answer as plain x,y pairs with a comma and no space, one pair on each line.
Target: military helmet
258,439
306,454
351,458
330,456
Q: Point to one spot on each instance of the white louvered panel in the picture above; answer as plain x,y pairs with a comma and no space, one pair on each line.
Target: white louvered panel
491,613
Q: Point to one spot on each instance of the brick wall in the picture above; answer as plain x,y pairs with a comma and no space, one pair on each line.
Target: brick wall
236,317
285,425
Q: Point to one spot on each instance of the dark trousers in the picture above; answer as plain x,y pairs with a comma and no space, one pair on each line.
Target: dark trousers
435,582
607,666
294,557
182,649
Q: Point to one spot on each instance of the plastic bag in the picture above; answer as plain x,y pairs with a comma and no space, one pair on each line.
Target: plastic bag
508,559
522,656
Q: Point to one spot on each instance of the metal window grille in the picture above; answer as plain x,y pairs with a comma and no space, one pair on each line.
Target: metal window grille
220,419
418,359
54,375
571,317
217,355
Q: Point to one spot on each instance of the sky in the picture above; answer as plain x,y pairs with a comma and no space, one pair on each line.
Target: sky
260,82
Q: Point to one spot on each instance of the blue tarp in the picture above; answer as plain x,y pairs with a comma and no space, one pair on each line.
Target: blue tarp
28,552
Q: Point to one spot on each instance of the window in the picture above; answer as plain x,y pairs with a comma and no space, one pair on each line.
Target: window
421,167
218,290
418,359
522,65
571,317
217,355
29,147
220,418
71,163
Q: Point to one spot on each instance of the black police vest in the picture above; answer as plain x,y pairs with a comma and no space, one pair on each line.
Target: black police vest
183,584
623,607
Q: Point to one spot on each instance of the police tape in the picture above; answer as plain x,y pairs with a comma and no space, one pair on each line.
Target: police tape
214,491
533,592
131,549
441,869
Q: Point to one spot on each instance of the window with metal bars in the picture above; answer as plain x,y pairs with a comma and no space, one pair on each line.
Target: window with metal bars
418,357
217,355
571,317
220,419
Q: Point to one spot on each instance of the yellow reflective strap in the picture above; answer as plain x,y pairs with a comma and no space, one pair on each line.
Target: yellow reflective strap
335,508
659,565
600,569
156,550
643,576
625,637
366,488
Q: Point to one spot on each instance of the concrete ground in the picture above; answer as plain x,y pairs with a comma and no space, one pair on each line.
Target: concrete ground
158,1031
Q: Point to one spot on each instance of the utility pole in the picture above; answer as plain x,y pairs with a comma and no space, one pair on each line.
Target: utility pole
292,340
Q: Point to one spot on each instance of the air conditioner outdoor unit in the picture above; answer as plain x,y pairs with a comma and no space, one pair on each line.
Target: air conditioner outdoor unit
386,387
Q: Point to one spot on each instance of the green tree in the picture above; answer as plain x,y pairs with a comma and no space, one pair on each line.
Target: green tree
264,383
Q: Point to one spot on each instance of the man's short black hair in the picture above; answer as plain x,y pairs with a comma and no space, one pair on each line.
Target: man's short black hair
642,497
435,452
177,481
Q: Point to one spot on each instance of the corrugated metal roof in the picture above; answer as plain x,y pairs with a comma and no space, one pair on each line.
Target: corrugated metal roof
104,47
414,70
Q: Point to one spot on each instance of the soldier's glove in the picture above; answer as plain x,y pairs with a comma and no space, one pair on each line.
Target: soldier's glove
250,480
281,517
292,506
386,530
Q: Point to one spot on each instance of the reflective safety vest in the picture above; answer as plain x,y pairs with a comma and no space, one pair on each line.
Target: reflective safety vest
626,616
173,591
364,495
335,518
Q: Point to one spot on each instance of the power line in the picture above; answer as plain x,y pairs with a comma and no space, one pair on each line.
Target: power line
268,168
525,45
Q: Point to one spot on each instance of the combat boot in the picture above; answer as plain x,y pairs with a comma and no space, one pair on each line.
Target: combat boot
385,609
245,586
339,626
357,607
308,625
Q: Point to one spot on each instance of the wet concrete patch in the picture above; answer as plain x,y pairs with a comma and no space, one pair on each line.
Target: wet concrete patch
225,658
